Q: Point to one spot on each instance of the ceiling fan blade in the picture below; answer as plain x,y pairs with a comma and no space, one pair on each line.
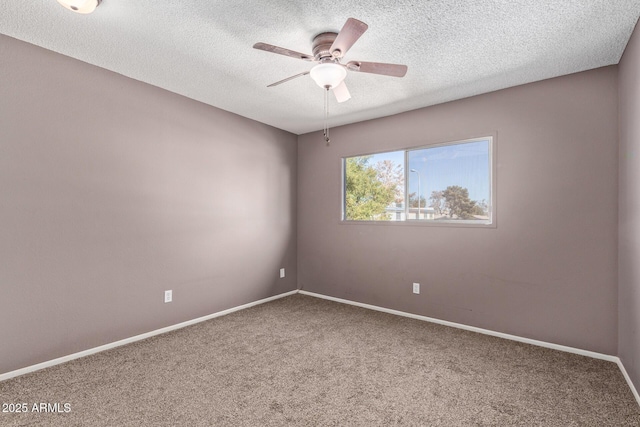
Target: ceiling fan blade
394,70
341,92
282,51
289,78
348,35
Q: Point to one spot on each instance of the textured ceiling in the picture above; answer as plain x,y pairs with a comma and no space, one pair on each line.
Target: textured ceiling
202,49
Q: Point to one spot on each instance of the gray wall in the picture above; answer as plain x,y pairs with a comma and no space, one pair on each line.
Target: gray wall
629,209
112,191
547,271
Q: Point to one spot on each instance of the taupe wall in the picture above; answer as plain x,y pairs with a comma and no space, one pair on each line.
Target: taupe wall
547,272
112,191
629,209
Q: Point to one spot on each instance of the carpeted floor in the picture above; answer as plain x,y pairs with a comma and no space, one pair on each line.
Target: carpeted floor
306,361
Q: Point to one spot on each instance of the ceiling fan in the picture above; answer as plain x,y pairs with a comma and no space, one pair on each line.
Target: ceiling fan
327,50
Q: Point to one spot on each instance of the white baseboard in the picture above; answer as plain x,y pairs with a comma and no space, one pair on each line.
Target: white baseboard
628,379
94,350
104,347
559,347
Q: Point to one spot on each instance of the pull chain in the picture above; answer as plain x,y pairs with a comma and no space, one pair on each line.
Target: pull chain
326,115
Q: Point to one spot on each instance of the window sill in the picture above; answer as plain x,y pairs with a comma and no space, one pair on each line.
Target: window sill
419,223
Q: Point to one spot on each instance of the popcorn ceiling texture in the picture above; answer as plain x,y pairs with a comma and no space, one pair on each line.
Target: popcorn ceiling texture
454,49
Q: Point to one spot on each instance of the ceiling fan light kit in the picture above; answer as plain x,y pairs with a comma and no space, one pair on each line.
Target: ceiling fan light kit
328,75
328,48
80,6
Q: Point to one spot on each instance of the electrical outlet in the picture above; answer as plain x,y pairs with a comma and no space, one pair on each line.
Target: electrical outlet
416,288
168,296
281,273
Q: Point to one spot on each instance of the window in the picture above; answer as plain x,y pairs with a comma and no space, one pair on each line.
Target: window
374,187
439,184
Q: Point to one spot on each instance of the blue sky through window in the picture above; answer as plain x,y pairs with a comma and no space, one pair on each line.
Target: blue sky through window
464,164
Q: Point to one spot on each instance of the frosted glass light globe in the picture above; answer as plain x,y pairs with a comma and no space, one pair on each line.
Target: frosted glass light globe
80,6
328,74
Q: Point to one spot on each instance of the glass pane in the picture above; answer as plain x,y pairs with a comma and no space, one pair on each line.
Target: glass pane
450,182
374,187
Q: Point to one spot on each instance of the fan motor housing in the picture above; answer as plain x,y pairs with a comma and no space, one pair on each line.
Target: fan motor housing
322,45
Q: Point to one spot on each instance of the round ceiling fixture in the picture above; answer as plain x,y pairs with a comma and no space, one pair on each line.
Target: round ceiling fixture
328,75
80,6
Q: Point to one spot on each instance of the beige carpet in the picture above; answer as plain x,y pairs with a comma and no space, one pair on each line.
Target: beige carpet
306,361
